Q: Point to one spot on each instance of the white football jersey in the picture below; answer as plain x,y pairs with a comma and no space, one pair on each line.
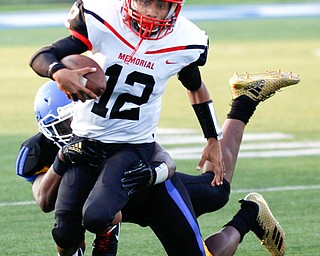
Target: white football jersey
129,110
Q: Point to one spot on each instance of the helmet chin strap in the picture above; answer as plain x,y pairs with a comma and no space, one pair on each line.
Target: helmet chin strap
135,49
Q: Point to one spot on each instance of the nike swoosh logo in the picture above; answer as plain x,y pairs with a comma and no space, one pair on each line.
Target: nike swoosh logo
171,62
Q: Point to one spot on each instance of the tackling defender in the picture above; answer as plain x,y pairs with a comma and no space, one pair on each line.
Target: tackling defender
54,112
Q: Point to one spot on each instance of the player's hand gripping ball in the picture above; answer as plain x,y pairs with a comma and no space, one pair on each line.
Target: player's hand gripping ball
96,81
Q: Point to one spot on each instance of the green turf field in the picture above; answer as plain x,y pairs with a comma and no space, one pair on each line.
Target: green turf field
236,46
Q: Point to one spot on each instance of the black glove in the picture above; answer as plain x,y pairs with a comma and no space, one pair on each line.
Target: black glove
139,177
83,150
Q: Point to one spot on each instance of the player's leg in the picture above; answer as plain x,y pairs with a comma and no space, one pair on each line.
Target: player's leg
170,215
75,251
204,197
242,108
254,215
108,197
106,243
266,227
68,232
233,130
247,92
225,242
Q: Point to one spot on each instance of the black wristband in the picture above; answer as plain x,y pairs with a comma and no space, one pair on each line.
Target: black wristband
59,167
54,67
208,120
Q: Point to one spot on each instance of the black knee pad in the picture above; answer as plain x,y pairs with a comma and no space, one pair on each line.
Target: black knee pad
94,222
67,232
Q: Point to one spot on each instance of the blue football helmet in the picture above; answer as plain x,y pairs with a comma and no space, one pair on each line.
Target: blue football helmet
54,111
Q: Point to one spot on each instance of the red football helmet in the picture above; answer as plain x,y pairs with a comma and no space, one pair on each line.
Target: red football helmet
148,28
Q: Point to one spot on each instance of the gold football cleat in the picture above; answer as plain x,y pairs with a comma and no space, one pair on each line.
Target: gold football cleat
267,228
261,86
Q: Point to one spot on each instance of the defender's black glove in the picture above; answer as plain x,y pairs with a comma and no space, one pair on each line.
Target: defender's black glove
141,176
83,150
138,177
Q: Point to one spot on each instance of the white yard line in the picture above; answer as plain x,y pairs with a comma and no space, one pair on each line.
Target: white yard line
186,136
4,204
269,189
254,144
273,189
192,153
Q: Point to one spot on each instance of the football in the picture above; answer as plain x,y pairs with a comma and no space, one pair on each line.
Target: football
96,81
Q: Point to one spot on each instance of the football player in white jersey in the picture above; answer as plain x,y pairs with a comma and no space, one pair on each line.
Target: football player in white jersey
140,45
139,52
